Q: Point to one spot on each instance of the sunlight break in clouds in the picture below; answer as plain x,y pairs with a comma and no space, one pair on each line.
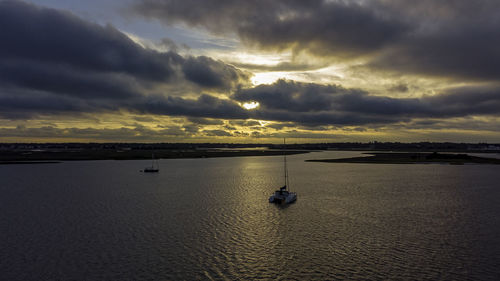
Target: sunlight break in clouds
250,105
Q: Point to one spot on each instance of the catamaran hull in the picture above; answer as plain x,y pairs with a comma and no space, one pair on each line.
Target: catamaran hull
277,199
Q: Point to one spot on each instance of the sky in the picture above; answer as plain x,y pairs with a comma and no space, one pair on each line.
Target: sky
249,71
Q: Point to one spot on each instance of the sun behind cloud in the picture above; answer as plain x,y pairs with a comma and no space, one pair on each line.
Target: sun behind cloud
251,105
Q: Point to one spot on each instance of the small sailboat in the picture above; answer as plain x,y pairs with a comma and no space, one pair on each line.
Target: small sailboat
154,168
283,195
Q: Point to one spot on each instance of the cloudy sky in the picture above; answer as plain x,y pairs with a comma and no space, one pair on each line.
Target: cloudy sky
249,70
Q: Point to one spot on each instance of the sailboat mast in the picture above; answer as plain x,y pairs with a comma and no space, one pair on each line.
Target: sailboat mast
153,161
284,161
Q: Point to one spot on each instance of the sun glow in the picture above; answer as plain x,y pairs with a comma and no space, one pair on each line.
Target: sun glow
250,105
267,77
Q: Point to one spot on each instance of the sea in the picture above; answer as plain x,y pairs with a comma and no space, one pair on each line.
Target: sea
209,219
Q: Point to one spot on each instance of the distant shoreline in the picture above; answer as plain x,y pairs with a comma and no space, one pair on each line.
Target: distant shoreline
27,162
413,158
56,156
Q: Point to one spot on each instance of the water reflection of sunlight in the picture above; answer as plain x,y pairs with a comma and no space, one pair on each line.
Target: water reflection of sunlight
253,222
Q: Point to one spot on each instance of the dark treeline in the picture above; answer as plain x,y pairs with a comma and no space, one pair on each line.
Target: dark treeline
384,146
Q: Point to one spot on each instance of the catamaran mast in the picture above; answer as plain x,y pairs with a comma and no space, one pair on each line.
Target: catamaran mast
284,160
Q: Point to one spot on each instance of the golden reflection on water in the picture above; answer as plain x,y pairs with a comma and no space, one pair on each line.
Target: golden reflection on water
257,227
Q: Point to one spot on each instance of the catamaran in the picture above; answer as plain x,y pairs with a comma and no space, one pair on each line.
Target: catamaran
283,195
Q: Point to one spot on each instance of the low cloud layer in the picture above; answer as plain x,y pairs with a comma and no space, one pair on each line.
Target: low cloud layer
331,104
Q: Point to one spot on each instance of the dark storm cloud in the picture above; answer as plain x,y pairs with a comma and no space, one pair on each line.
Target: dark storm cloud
307,103
51,36
315,98
27,104
465,101
19,104
456,38
457,124
64,80
130,134
209,73
342,27
463,50
284,101
204,106
54,61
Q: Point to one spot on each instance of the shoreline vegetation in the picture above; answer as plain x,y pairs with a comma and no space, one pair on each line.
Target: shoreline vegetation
57,156
386,152
413,158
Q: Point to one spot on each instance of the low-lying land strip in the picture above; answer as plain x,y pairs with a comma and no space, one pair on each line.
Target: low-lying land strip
45,156
414,158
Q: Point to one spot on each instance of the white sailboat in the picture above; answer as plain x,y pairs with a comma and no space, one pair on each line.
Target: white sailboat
154,168
283,195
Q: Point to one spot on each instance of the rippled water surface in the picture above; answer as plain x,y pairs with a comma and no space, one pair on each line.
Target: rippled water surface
210,219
